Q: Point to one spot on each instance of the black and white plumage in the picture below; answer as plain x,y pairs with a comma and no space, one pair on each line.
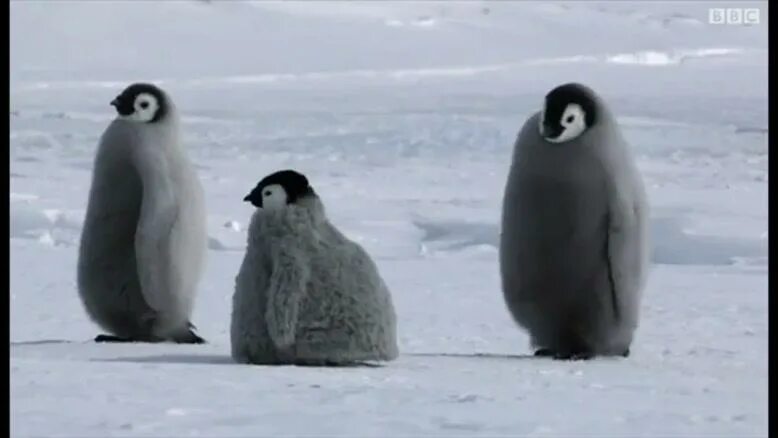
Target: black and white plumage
143,243
573,248
305,293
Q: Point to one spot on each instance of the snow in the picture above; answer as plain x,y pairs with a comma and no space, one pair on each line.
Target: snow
402,115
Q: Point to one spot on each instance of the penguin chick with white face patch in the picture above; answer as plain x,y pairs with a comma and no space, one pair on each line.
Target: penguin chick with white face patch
143,243
573,248
567,112
279,189
306,294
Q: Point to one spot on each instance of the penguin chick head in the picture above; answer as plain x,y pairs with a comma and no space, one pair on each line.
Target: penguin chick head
568,111
142,103
279,189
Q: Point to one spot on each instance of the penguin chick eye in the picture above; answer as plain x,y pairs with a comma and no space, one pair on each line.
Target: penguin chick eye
274,197
144,104
570,119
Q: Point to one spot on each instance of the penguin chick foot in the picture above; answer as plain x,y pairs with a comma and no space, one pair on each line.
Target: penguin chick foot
117,339
566,355
189,337
578,355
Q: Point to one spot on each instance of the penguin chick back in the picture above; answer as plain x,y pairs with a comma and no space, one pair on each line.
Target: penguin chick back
297,263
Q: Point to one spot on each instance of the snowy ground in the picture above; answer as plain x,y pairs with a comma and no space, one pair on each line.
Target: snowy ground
403,117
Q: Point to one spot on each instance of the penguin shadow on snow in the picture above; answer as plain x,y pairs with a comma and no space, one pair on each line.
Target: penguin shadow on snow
190,359
476,356
670,244
225,359
511,357
39,342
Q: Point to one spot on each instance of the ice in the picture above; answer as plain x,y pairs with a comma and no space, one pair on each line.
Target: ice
402,115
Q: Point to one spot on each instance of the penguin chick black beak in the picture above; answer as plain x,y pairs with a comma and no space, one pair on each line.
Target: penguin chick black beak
115,102
255,200
551,130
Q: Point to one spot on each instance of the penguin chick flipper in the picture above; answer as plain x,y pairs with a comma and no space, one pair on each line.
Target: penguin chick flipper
626,238
156,269
118,339
284,293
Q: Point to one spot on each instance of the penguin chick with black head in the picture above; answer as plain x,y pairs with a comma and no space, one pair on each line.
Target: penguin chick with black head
279,190
306,294
573,248
143,243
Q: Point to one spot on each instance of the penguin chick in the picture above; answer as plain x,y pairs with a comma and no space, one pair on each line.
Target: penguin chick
306,294
279,189
143,243
573,248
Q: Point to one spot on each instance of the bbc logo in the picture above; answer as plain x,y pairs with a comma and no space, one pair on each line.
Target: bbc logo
736,16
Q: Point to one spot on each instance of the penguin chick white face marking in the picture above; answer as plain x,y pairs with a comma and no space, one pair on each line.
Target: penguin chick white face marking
274,197
145,106
568,111
573,123
279,189
141,103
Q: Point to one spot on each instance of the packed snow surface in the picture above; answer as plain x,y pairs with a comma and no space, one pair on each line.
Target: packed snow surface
403,116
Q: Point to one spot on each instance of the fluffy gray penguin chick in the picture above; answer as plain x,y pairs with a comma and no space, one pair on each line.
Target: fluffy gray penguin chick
573,248
144,238
306,294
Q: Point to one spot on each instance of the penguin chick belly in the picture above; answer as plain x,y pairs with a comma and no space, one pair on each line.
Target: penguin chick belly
561,264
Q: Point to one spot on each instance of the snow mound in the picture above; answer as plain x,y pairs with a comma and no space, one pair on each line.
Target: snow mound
670,244
46,226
